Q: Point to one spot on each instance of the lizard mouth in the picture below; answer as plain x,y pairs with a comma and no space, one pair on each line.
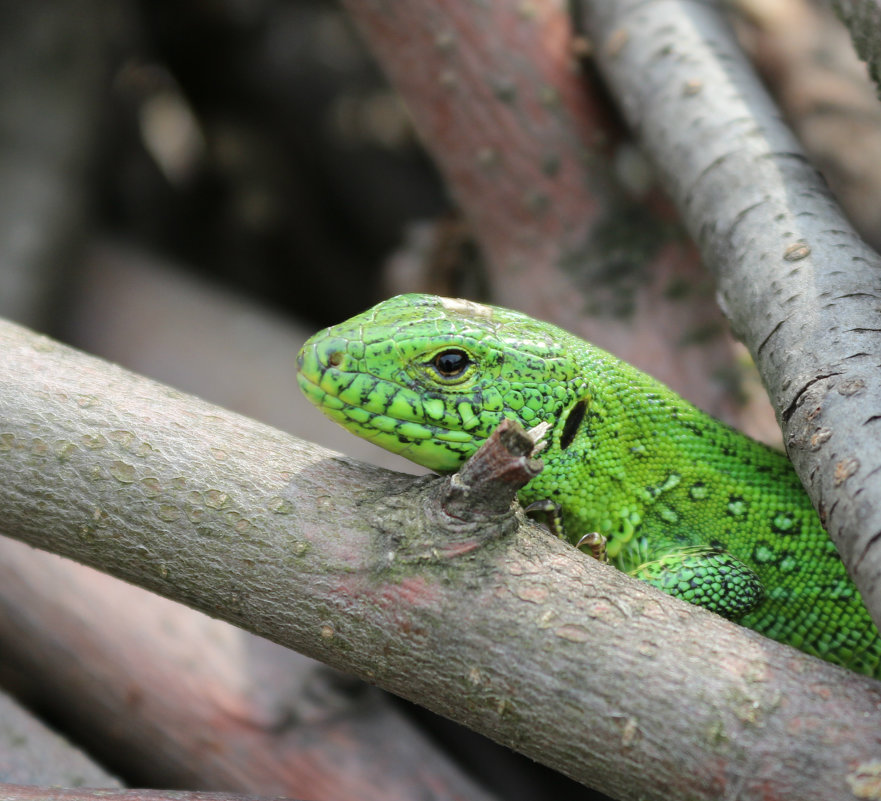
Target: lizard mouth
413,437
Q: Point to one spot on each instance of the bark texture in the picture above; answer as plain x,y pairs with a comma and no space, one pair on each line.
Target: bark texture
797,283
487,620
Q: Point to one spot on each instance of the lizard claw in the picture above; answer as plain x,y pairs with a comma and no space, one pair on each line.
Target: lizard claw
596,542
554,515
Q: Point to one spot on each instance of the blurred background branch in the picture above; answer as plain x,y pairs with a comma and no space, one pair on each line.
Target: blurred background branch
863,20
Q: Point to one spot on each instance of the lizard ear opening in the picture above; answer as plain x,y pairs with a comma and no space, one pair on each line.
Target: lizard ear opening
573,420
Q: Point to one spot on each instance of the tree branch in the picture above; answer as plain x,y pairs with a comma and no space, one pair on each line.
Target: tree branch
169,698
31,753
798,285
491,622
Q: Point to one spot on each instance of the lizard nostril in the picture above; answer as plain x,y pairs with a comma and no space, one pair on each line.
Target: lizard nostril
335,359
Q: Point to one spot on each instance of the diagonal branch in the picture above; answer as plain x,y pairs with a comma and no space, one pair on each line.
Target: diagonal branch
487,620
798,285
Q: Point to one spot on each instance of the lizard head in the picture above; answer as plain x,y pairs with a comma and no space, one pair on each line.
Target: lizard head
430,378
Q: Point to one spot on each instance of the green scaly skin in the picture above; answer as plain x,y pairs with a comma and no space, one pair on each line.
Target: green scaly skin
685,502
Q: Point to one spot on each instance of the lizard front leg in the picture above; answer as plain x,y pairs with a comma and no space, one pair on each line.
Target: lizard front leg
594,542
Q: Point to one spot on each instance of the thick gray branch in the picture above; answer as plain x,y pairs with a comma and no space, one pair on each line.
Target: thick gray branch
798,285
515,634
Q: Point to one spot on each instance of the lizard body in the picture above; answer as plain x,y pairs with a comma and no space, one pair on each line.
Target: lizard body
684,501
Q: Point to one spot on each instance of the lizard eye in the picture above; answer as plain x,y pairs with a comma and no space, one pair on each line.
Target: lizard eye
451,363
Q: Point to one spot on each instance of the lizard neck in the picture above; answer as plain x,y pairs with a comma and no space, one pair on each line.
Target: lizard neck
631,460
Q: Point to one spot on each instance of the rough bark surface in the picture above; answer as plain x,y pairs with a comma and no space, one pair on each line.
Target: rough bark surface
515,634
798,285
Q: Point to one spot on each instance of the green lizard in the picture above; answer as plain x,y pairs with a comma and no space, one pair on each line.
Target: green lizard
683,501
